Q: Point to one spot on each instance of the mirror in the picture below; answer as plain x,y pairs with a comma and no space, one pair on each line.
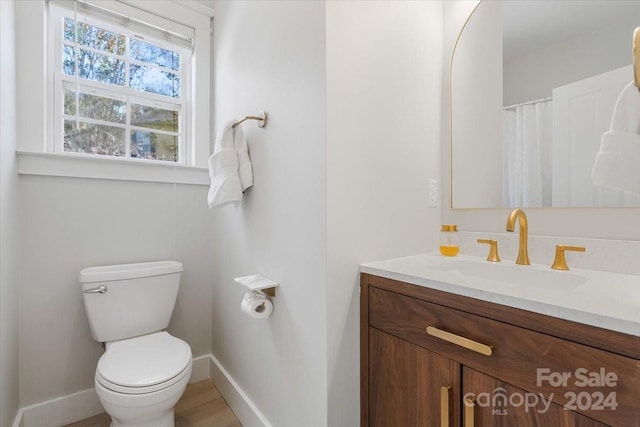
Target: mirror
533,87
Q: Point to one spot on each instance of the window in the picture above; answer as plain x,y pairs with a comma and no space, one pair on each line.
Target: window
121,86
181,27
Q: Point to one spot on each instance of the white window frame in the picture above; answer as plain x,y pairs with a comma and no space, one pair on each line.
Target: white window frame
129,95
35,90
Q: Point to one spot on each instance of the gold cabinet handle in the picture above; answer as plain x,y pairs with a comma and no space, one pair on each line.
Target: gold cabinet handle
560,262
469,408
444,406
461,341
493,249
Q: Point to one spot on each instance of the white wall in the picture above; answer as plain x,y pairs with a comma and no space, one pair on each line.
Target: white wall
31,83
382,125
477,70
535,74
67,224
270,55
611,223
8,221
280,230
383,130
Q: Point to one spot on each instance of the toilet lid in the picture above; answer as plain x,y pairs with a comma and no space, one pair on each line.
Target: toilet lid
144,361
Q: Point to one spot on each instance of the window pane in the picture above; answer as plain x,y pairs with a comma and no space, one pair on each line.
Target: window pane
102,108
145,52
100,39
93,139
154,118
154,81
154,146
101,68
69,60
69,102
69,30
95,107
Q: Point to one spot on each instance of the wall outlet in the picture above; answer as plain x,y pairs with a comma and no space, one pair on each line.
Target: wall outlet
432,193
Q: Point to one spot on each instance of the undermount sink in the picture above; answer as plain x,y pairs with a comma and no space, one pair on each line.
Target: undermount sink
511,274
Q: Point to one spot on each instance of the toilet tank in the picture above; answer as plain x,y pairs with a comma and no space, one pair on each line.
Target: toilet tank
137,299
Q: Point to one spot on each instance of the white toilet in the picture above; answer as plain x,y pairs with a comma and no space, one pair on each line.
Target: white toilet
144,370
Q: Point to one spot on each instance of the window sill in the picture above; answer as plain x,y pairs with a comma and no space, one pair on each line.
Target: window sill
84,166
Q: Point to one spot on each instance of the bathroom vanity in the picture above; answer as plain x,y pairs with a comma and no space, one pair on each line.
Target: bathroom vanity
463,342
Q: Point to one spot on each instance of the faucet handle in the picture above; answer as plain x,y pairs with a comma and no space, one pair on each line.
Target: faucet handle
560,262
493,249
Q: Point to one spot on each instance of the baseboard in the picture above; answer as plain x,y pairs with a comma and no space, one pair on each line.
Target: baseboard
84,404
60,411
201,369
246,411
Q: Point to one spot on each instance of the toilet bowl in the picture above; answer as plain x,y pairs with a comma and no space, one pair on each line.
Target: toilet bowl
138,388
144,370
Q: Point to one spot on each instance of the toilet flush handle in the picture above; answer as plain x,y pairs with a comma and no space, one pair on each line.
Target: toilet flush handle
99,290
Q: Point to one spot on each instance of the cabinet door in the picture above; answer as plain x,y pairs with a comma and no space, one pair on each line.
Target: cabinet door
489,402
410,386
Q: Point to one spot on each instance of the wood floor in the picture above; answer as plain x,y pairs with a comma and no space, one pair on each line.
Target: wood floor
201,405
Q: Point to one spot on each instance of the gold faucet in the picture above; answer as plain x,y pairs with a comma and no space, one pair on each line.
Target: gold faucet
493,249
560,262
523,254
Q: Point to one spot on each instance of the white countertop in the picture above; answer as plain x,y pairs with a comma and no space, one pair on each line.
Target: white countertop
606,300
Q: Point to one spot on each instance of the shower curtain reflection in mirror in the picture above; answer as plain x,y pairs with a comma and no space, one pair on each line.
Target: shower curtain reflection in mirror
527,134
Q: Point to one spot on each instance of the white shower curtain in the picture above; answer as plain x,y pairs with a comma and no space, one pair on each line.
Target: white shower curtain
527,134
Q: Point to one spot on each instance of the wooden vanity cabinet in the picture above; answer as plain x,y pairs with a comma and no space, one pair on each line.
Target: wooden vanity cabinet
411,377
410,386
501,414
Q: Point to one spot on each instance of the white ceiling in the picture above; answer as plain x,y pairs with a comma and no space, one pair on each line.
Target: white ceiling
534,24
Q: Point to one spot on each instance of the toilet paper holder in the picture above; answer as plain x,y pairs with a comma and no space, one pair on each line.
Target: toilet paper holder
258,282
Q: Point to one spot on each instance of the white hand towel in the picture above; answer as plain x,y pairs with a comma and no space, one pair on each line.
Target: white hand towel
626,113
244,162
225,184
617,164
223,171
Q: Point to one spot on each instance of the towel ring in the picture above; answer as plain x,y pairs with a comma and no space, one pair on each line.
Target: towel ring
636,57
261,118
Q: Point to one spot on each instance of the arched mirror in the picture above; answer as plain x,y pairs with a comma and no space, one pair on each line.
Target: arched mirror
533,87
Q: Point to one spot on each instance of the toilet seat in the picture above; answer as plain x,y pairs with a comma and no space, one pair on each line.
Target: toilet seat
144,364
